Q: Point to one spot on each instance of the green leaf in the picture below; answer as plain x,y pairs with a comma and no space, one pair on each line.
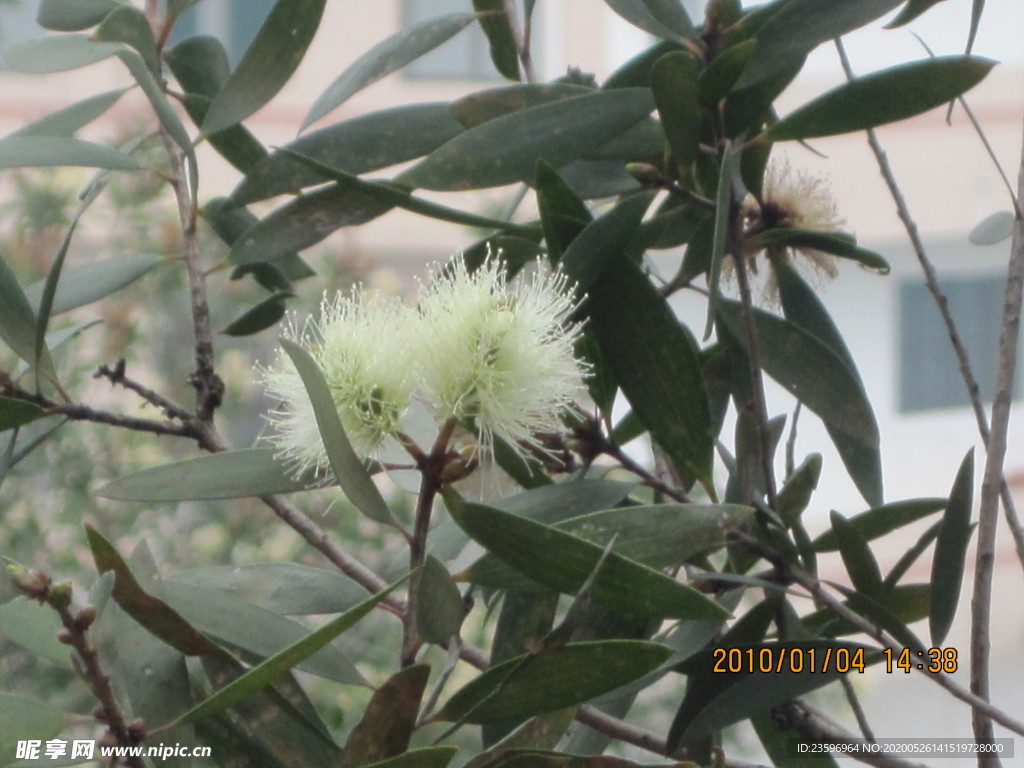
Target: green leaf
439,606
389,719
15,413
361,144
21,151
18,324
951,552
796,27
34,627
260,317
977,8
152,613
604,242
911,11
860,562
269,670
501,40
384,58
882,97
226,475
73,15
304,222
661,18
551,680
67,121
653,358
657,536
425,757
22,718
130,26
238,623
720,235
803,307
80,286
881,520
795,495
268,63
674,81
993,229
350,471
714,701
565,562
836,243
506,149
821,380
909,557
563,215
58,53
719,77
483,106
284,588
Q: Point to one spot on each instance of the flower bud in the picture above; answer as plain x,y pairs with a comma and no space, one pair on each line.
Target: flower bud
59,595
85,617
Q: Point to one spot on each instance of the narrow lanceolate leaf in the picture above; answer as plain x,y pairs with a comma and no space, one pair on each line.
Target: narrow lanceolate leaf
604,242
18,324
818,378
723,204
80,286
68,120
152,613
260,317
562,213
565,562
661,18
551,680
424,757
950,552
654,358
389,719
501,39
130,26
439,606
881,520
674,81
883,97
837,243
911,11
20,151
860,562
507,149
384,58
351,472
226,475
268,64
67,16
16,413
273,668
58,53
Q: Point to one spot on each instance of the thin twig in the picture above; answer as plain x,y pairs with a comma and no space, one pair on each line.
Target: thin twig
649,479
858,711
116,376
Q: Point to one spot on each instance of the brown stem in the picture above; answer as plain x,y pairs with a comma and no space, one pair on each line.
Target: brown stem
116,376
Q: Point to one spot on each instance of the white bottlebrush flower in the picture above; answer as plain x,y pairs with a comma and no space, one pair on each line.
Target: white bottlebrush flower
360,344
499,356
794,200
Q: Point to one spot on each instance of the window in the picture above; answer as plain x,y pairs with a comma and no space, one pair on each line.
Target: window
929,374
233,22
17,24
466,56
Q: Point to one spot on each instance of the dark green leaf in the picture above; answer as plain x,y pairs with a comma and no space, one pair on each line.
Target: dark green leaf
152,613
909,557
439,606
80,286
57,53
507,148
273,668
720,237
285,588
501,39
562,213
260,317
15,413
350,471
226,475
18,323
484,106
73,15
836,243
305,222
903,604
268,64
384,58
389,719
674,81
779,745
882,520
361,144
661,18
257,630
565,562
425,757
604,242
951,552
636,72
911,11
795,495
718,79
803,307
640,335
130,26
883,97
572,674
977,8
818,378
993,229
860,562
68,120
21,151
